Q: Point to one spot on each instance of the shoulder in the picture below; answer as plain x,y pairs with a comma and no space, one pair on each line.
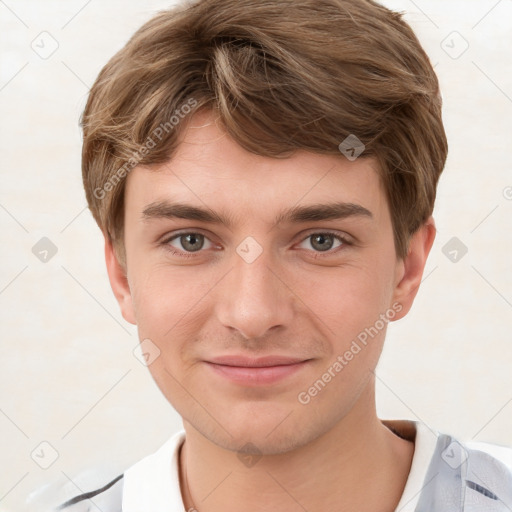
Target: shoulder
152,480
501,453
107,498
477,474
89,489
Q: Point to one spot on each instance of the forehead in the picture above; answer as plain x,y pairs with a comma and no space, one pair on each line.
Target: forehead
210,169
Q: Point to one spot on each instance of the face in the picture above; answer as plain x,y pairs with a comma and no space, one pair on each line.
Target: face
265,284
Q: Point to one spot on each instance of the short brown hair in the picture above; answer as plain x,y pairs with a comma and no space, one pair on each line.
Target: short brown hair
281,76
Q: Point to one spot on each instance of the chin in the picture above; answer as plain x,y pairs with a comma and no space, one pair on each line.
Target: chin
262,431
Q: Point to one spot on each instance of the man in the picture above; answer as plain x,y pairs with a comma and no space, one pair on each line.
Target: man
264,173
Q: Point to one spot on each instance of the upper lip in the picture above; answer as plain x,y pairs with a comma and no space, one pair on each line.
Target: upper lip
255,362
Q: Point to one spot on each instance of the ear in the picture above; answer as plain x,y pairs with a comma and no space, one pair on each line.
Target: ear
119,283
411,268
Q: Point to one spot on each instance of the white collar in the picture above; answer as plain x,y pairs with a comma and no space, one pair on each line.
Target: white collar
425,441
153,482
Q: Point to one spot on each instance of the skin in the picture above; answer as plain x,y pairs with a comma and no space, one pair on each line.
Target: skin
294,299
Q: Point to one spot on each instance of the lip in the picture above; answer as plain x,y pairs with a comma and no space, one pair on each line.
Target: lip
255,362
256,371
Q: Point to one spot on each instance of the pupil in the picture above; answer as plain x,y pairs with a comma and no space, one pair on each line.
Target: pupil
323,241
190,241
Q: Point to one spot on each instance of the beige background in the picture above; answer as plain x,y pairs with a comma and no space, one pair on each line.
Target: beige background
68,374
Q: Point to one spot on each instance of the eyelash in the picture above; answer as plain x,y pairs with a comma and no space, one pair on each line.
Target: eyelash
318,254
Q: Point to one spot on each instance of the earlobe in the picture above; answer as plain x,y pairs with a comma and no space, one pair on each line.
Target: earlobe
413,265
119,282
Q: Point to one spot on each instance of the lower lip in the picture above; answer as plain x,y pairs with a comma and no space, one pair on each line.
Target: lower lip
256,376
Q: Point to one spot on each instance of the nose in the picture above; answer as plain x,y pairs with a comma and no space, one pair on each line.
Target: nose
254,297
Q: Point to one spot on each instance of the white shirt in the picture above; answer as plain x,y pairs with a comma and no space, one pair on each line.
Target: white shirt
445,475
153,482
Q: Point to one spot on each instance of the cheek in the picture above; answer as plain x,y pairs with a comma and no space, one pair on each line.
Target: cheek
345,300
169,313
165,296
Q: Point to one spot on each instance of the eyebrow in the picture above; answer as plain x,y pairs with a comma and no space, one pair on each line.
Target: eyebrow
296,214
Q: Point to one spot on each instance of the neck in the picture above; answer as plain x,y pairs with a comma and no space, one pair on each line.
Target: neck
357,465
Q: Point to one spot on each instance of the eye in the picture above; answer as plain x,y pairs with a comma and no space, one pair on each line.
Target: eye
324,242
187,242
